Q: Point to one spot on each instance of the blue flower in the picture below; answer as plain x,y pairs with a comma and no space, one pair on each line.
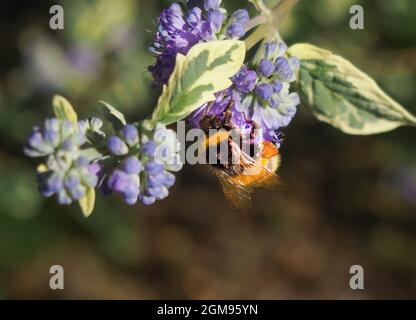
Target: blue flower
126,180
130,134
132,165
273,118
176,35
161,156
270,49
194,17
277,86
147,160
68,180
148,148
171,20
266,68
178,31
65,172
274,50
216,19
235,30
37,145
240,16
54,134
264,90
127,139
237,25
117,146
275,106
212,4
284,70
245,80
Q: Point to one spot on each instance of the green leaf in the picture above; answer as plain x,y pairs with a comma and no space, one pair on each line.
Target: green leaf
204,71
115,117
63,109
340,94
87,202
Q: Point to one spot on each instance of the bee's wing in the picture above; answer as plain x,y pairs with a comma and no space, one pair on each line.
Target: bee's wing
266,179
237,194
259,175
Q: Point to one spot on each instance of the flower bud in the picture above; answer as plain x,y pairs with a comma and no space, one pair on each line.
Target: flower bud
264,90
117,146
266,68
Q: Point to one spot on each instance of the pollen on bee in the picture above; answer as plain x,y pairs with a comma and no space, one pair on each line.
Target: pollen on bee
269,150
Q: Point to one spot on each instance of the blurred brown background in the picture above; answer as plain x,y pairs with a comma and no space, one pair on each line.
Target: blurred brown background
347,200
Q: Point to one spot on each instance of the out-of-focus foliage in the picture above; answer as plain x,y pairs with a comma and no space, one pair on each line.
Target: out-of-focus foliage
347,200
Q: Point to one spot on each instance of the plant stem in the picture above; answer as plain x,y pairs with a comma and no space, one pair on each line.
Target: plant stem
269,22
256,36
280,11
256,21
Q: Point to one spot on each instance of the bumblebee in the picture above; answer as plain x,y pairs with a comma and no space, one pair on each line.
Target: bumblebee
253,168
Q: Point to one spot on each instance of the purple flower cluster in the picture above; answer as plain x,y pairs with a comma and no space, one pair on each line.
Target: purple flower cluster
181,28
145,163
68,182
271,105
136,162
259,96
65,172
55,135
125,179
